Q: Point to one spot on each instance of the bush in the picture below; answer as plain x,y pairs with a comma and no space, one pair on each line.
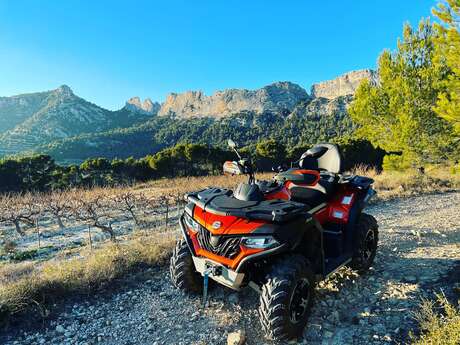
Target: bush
9,246
455,169
395,163
439,328
30,254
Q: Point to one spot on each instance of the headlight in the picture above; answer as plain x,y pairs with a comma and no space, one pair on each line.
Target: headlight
259,242
191,223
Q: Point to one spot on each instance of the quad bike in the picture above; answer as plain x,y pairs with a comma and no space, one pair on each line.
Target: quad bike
279,237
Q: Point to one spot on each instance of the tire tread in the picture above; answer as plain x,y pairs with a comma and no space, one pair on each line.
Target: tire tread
182,270
274,294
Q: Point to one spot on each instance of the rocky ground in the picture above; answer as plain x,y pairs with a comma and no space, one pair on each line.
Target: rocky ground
419,255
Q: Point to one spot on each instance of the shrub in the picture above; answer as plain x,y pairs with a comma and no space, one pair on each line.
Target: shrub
9,246
438,328
455,169
395,163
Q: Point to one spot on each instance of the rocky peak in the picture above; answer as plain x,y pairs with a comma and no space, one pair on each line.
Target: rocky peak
64,90
286,86
274,97
135,104
344,85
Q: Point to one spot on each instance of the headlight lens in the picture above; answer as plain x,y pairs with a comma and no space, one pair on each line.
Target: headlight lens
259,242
191,223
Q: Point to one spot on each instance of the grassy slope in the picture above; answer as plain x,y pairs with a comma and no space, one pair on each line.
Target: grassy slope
24,284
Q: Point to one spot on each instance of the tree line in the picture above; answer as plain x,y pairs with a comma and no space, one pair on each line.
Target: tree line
40,173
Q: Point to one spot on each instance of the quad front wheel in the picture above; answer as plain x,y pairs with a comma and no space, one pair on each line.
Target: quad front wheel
182,270
286,298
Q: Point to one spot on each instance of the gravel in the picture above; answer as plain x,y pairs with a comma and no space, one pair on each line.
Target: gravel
419,255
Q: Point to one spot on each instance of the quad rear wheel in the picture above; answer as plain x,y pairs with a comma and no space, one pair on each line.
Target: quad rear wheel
182,270
365,243
286,298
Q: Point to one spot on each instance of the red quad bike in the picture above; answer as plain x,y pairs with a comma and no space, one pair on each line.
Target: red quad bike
279,237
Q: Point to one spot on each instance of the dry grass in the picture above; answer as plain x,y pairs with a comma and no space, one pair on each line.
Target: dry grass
182,185
10,272
391,184
439,323
26,284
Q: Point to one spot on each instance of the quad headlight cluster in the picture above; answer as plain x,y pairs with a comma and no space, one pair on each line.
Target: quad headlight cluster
191,223
253,242
264,242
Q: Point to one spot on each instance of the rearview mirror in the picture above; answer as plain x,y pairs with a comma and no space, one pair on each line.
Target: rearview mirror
232,168
231,144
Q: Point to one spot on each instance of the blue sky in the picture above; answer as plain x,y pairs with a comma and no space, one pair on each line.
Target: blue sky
108,51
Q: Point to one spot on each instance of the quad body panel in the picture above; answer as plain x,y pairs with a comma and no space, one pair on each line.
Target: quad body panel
323,233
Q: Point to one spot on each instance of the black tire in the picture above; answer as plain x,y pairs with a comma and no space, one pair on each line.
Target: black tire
182,270
365,242
282,315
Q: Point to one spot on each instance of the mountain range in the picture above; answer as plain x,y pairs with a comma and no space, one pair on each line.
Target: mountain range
71,129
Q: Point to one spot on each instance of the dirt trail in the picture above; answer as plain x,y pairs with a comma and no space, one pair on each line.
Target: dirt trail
419,254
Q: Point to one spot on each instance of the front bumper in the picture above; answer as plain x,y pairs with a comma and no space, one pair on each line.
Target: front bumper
232,277
225,276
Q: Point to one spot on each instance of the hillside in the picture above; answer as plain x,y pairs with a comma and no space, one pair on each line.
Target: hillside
15,110
311,121
71,129
34,119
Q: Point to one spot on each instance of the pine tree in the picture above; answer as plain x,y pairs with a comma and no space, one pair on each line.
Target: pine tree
397,113
447,51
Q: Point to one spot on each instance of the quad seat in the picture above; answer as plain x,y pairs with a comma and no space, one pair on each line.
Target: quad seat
313,195
321,165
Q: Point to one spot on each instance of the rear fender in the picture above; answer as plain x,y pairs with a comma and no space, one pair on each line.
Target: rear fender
363,187
364,196
350,229
361,182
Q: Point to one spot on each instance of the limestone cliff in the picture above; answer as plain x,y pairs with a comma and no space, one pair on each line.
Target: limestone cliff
344,85
277,97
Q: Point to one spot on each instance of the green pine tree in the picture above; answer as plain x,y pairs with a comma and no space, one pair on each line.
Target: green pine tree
397,113
447,51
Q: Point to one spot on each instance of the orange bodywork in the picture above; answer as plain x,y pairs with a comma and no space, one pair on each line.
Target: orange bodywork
282,194
336,205
229,225
231,263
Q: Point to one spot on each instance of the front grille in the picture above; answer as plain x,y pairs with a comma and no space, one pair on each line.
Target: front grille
228,247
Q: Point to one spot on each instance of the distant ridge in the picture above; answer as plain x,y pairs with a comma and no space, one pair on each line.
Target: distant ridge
148,107
276,97
68,127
